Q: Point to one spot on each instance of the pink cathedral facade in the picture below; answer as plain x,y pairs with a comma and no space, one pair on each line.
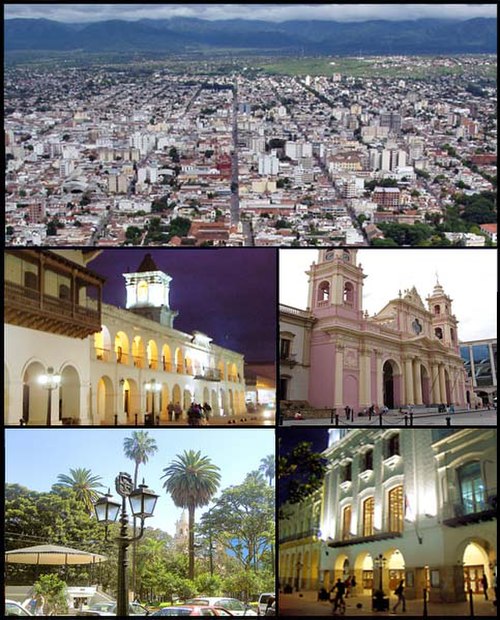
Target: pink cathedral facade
406,354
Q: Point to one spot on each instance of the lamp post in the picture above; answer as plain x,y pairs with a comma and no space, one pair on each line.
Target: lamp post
142,504
297,579
50,381
379,602
380,562
154,388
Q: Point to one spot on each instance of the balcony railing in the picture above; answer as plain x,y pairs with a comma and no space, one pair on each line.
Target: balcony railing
288,359
471,508
104,355
299,535
358,540
29,307
167,366
209,374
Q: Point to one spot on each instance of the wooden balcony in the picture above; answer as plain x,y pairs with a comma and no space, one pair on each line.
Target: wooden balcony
27,307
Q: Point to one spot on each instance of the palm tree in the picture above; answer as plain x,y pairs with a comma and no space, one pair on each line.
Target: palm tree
84,484
138,448
268,467
192,480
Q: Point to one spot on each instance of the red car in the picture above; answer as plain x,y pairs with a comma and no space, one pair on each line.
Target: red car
192,610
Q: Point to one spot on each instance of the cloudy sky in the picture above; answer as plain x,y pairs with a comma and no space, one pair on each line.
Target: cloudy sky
468,276
268,12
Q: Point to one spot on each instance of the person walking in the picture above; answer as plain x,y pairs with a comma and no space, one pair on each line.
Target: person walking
484,582
177,412
399,592
40,602
207,410
338,591
171,412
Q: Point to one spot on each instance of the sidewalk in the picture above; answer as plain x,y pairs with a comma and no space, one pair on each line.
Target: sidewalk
306,604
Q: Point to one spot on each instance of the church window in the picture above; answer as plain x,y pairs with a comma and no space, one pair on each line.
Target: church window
348,293
437,309
439,333
396,509
368,513
324,291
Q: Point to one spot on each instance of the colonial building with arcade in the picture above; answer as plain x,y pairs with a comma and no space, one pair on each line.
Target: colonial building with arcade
412,504
112,365
334,355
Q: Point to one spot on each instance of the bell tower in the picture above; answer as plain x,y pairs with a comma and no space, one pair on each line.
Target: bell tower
148,291
444,322
336,284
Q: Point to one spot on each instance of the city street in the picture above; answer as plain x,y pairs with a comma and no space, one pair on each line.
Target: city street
306,604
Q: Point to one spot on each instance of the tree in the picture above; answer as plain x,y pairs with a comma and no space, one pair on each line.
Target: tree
138,448
53,590
268,467
300,472
191,480
84,484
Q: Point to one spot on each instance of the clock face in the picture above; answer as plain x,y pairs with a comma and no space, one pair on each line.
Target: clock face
416,326
329,256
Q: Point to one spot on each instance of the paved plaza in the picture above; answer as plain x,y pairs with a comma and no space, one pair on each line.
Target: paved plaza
306,604
480,417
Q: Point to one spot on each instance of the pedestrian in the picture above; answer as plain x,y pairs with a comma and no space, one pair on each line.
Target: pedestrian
452,408
484,582
338,592
32,604
468,406
399,592
171,412
347,584
177,412
40,602
207,410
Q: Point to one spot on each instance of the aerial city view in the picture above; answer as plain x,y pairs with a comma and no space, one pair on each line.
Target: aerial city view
187,127
250,309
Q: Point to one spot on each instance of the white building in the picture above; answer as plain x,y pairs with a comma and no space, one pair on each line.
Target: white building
115,365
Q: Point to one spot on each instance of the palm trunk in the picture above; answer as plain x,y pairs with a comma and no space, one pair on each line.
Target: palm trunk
134,547
191,541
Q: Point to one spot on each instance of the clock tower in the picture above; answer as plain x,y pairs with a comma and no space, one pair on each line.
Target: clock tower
148,292
444,322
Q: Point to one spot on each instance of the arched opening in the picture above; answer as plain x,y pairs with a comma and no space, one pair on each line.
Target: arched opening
231,402
349,293
152,355
340,567
223,404
437,309
121,348
105,413
131,400
206,395
164,401
138,352
214,403
179,362
177,395
324,292
102,345
220,367
388,372
475,560
363,571
188,365
166,358
394,569
35,396
187,399
438,333
69,395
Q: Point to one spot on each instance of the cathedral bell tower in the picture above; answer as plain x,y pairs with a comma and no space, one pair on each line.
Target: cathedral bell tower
444,322
148,291
336,285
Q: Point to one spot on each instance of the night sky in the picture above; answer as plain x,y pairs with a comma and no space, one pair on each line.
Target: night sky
228,294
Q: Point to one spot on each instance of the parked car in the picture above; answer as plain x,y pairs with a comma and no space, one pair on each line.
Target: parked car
192,610
109,609
264,601
12,608
233,605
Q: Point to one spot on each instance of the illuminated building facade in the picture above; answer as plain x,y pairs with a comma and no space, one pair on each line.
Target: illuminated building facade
420,502
405,354
115,364
480,359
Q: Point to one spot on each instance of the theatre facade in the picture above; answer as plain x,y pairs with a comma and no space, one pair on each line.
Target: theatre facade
418,505
334,355
115,365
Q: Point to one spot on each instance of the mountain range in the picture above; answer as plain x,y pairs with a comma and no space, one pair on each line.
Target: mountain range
178,35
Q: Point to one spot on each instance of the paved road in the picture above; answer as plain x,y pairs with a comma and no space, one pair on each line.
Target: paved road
306,604
481,417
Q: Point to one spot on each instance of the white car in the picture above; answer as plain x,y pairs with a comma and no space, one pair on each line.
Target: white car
12,608
263,602
236,607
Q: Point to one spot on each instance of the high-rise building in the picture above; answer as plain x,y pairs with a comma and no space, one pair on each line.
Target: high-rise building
480,358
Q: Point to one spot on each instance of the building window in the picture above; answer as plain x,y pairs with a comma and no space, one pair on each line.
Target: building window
439,333
64,292
368,511
437,309
392,446
472,491
367,461
348,293
347,472
396,509
285,349
346,522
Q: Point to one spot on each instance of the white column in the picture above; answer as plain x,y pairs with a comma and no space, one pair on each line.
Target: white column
417,381
365,387
409,381
435,383
380,378
442,384
339,376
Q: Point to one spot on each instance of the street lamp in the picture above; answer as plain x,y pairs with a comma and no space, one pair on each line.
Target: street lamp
142,504
380,562
154,388
50,381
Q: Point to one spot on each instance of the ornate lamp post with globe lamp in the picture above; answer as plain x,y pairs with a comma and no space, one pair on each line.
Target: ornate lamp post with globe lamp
50,381
142,504
380,603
